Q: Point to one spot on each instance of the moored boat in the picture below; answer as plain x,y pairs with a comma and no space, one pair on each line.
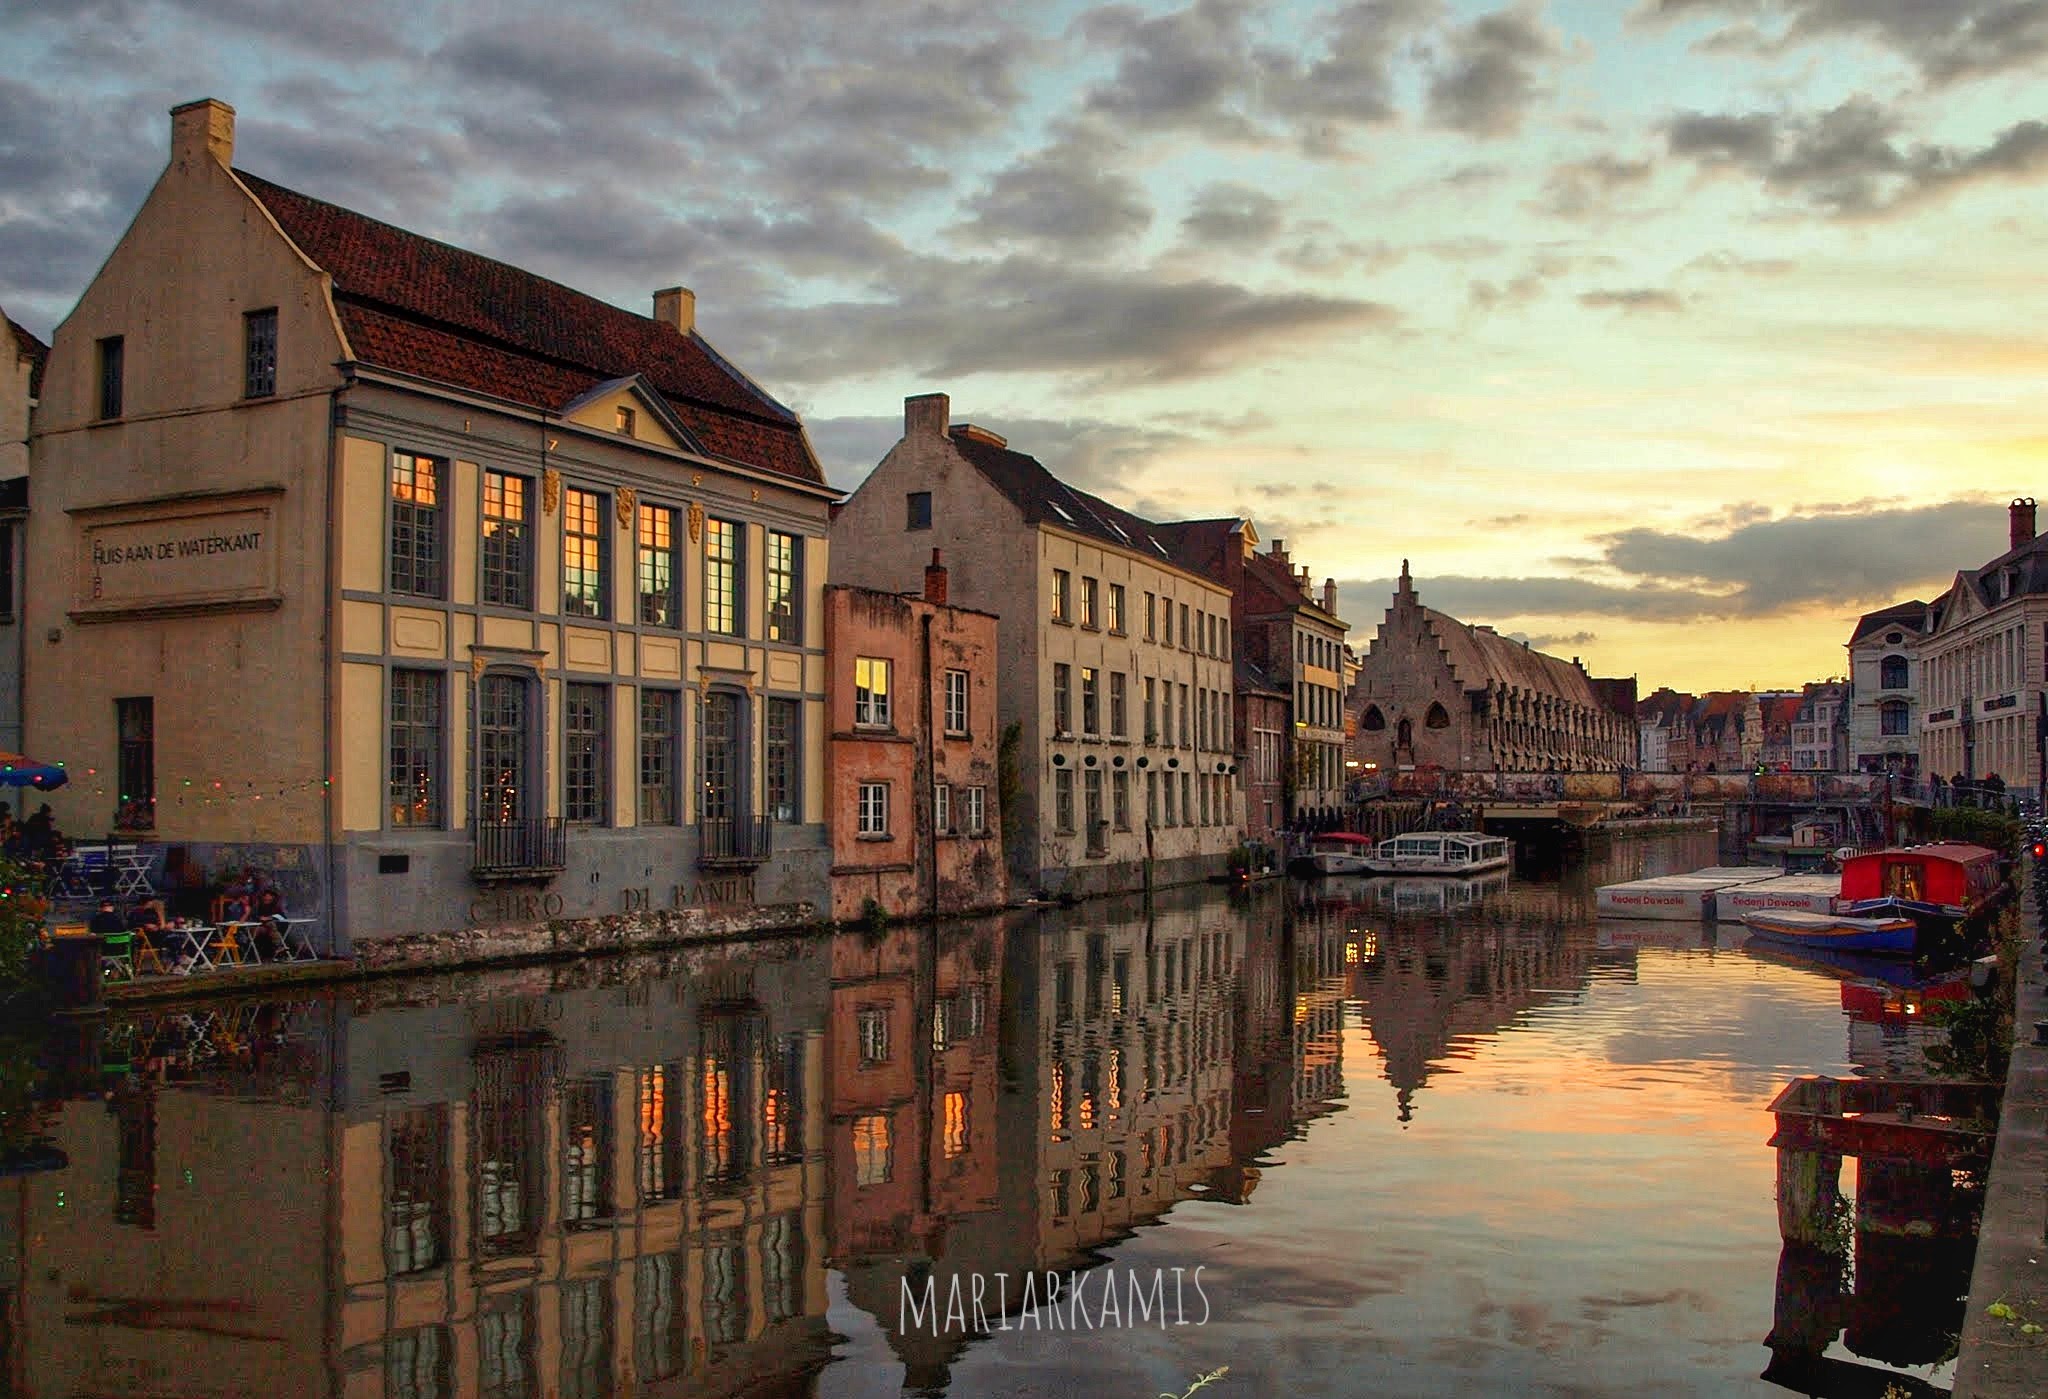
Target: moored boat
1938,886
1440,852
1837,931
1341,852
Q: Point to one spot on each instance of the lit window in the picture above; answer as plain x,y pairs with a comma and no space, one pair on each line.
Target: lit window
870,692
583,554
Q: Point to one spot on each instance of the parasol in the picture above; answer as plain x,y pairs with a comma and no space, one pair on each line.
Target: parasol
19,771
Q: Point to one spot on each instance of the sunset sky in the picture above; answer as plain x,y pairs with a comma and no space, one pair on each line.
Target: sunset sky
1671,334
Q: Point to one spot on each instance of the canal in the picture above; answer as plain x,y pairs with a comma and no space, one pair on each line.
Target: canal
1360,1138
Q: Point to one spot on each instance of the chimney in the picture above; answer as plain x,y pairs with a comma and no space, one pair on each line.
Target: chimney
935,581
205,128
1330,596
1301,581
926,414
677,307
1278,550
2022,521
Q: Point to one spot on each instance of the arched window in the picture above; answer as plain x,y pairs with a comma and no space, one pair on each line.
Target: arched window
1891,673
1404,734
1373,721
1891,717
1437,717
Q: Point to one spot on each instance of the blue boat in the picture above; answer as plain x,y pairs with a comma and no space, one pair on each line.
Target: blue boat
1837,931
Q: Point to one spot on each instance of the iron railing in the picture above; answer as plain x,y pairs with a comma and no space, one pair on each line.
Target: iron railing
727,842
531,846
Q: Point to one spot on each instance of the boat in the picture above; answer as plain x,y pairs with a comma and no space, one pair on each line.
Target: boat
1938,886
1677,897
1814,893
1341,852
1434,895
1440,852
1835,931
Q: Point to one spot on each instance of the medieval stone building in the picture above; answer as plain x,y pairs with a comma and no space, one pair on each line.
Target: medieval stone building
1433,691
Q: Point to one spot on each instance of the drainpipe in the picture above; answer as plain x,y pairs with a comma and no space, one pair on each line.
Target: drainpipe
329,835
927,759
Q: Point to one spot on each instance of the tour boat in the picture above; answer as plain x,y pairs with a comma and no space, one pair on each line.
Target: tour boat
1341,852
1839,931
1936,885
1440,852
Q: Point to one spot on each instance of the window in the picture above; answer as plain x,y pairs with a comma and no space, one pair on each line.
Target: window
785,587
942,809
973,811
1117,704
583,752
785,738
873,1158
1187,799
1062,595
1115,620
956,702
1151,626
658,569
1892,672
503,745
8,530
1183,626
1088,596
722,600
1091,700
917,510
415,772
1151,712
583,554
135,728
1891,717
507,541
259,353
874,809
1151,798
870,693
1091,801
874,1034
1062,709
1063,800
658,776
627,420
1186,733
110,357
1120,793
416,525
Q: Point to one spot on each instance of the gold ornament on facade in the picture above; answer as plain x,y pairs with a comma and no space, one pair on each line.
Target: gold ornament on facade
550,491
696,522
628,499
477,662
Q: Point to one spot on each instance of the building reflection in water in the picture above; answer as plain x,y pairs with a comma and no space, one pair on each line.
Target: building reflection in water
632,1177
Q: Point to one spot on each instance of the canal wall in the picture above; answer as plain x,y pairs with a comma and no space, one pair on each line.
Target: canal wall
1999,1356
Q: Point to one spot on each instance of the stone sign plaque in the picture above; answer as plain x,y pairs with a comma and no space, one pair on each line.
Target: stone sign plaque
170,563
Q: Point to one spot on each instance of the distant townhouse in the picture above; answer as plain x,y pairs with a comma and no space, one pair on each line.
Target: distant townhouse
1982,658
1295,638
1433,691
1661,719
461,599
1886,674
1780,713
912,757
1723,732
22,357
1818,728
1115,661
1263,734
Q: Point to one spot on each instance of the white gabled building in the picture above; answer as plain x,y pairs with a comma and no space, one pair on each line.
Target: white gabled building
1982,655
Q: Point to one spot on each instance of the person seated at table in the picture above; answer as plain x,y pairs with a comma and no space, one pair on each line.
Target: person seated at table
268,910
39,834
238,897
106,921
147,916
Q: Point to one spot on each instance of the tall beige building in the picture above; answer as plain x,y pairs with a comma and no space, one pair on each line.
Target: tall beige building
1115,662
457,597
1982,691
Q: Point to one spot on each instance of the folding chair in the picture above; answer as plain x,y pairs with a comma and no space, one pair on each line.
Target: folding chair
148,955
117,956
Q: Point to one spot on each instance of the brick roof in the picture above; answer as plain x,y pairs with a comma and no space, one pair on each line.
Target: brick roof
1045,499
36,351
1199,546
426,308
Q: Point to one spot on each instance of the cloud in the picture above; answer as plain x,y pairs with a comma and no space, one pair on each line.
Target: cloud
1065,197
1580,188
1543,641
1185,70
1632,299
1491,76
1734,264
1948,41
1848,162
1485,599
1227,214
1092,453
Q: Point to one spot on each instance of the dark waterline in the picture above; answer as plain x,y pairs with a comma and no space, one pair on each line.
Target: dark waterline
1418,1139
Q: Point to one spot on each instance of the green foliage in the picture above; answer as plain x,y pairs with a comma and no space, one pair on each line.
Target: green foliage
1980,1029
1994,830
22,1115
874,919
1009,777
1201,1382
22,907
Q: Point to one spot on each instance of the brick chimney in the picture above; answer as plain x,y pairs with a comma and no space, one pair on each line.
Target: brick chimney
2022,521
1330,596
927,414
1278,550
935,580
203,129
676,306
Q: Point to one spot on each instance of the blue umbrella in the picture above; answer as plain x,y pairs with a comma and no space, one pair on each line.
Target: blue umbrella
18,771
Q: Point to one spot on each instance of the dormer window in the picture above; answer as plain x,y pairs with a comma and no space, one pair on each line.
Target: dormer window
627,418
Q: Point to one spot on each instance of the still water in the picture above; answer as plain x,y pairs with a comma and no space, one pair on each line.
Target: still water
1386,1138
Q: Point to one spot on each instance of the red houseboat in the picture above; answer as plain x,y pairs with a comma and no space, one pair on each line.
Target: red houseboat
1933,884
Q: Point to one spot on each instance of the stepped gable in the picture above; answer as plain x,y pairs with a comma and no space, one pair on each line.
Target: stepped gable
1045,499
417,306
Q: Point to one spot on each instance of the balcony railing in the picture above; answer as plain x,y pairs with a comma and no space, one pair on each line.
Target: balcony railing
525,849
729,843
